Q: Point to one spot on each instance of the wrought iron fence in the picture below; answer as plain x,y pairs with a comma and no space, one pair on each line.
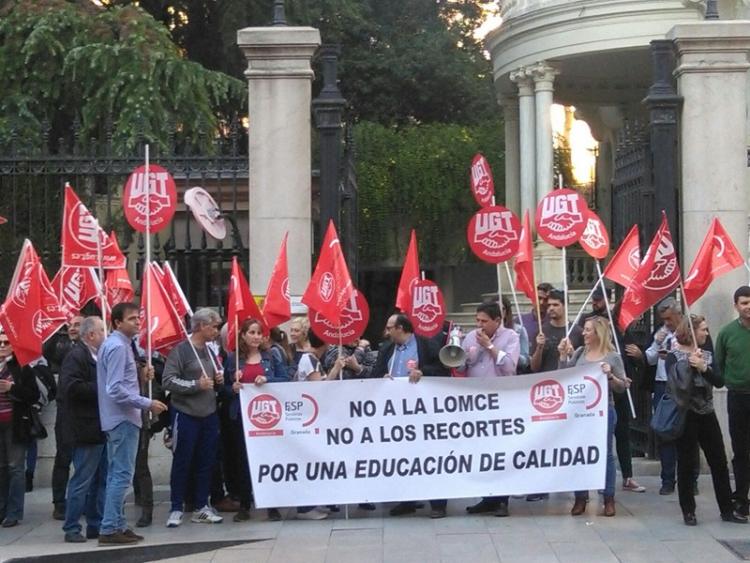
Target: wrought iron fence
32,181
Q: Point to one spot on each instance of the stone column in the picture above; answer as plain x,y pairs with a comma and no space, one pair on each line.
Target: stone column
279,80
544,79
712,74
512,155
527,129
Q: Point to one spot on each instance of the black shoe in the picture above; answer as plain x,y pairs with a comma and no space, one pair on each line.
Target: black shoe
734,517
537,496
92,533
436,513
74,538
402,508
9,523
274,515
59,512
29,481
241,515
117,538
366,506
690,519
502,510
666,490
334,508
145,520
482,507
741,508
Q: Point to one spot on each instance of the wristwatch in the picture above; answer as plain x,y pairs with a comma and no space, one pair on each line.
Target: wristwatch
491,347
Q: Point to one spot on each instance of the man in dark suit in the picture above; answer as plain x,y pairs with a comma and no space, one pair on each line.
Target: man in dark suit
409,355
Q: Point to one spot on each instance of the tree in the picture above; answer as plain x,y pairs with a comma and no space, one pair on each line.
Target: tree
403,61
64,61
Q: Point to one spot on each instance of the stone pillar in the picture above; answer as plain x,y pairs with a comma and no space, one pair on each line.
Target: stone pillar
527,135
712,74
544,79
279,80
512,155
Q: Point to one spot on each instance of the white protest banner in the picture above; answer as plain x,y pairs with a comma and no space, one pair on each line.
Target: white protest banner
374,440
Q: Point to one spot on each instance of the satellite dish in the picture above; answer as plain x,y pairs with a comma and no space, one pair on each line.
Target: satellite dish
206,212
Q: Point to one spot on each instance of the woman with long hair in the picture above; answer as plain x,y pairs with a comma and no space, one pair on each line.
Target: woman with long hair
692,374
598,349
254,364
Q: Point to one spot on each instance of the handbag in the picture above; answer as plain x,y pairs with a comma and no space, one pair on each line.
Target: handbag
38,431
668,421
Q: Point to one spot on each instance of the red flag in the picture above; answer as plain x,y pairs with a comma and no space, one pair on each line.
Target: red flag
118,287
83,238
277,307
174,291
21,313
74,288
626,261
241,304
717,256
524,265
409,275
330,287
164,325
482,184
657,276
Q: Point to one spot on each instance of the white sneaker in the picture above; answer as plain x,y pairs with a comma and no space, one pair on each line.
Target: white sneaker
206,515
314,514
175,519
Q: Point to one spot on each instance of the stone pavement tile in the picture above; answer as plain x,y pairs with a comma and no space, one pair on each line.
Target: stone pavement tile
462,547
639,551
583,551
345,538
700,551
299,553
520,524
236,555
259,545
523,548
195,558
352,554
462,523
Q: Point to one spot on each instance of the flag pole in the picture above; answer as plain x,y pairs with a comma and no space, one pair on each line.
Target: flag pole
102,289
612,326
513,291
498,274
565,271
147,190
236,348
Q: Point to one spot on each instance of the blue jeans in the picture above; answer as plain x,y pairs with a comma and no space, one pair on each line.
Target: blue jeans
31,455
194,443
611,474
86,488
12,478
667,450
122,446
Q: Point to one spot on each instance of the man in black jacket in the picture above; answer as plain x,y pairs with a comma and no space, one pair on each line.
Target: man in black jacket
409,355
18,392
86,487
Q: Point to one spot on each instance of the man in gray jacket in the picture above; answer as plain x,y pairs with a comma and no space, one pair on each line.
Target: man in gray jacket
190,374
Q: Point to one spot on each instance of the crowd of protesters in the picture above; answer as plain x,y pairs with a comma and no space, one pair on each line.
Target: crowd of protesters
112,399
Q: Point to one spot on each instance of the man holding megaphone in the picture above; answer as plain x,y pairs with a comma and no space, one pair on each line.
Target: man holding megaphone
491,350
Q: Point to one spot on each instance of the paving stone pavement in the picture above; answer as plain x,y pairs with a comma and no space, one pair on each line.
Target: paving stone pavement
647,528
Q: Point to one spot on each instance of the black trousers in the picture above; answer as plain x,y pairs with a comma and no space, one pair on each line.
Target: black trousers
61,468
702,430
142,483
622,435
738,410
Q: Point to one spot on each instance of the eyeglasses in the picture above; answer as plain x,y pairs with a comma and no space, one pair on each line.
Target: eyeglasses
4,342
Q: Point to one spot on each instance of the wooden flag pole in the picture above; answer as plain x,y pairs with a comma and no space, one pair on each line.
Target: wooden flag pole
498,274
102,289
